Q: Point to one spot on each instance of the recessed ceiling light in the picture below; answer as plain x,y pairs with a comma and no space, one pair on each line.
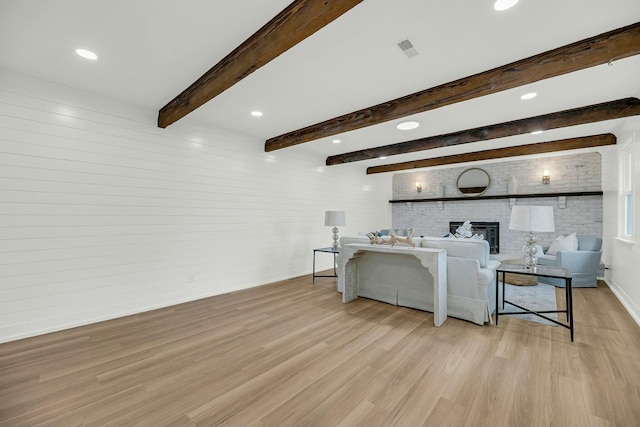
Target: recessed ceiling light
382,157
504,4
336,141
87,54
256,113
408,125
529,95
536,132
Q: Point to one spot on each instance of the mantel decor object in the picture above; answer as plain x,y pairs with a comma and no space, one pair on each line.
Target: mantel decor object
531,219
512,185
473,182
440,194
334,219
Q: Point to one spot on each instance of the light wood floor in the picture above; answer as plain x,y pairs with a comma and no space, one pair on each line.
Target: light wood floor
292,354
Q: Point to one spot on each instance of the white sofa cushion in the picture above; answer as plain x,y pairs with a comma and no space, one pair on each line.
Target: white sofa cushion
463,248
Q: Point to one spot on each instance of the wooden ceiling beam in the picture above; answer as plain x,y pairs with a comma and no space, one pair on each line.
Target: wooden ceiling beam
597,50
577,116
295,23
499,153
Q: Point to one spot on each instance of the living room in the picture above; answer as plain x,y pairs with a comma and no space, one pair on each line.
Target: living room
106,215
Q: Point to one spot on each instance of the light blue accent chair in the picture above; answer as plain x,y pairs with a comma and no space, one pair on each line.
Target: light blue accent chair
583,263
387,232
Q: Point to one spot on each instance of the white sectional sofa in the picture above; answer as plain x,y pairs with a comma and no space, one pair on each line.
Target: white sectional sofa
470,276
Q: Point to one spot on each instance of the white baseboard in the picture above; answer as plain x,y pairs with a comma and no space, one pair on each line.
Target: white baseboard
632,308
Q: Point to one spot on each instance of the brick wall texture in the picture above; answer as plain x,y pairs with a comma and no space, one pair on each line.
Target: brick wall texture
583,215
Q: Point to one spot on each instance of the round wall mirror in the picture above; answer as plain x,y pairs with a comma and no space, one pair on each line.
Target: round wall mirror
473,182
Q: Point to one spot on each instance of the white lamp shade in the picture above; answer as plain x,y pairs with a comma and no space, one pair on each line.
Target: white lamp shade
532,218
334,218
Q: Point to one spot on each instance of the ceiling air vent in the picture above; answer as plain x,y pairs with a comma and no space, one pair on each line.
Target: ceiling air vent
408,49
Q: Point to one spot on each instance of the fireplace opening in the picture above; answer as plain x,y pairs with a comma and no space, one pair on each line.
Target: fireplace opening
490,230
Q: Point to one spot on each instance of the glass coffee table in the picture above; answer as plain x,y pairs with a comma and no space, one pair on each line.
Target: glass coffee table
537,271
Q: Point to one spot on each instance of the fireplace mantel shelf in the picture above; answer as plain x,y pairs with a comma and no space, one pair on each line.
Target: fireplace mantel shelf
501,196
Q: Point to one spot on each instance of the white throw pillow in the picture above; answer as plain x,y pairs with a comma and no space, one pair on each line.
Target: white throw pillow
562,243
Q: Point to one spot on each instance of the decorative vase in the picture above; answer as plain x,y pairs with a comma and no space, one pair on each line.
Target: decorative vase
512,185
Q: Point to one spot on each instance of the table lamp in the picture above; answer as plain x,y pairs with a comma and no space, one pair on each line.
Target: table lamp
531,219
334,219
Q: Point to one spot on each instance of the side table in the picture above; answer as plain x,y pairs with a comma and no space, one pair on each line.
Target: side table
537,271
328,250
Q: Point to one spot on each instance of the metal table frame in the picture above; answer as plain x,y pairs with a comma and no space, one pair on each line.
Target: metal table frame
325,250
538,271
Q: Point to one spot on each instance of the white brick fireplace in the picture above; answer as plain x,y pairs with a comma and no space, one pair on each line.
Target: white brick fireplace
579,172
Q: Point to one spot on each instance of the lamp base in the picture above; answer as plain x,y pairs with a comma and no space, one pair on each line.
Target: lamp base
530,250
335,245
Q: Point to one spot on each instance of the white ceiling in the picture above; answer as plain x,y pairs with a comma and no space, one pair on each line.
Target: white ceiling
151,50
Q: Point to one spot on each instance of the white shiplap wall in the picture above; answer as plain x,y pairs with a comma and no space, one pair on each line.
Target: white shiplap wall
102,214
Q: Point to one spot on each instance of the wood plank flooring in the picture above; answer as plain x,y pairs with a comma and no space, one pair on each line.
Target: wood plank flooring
291,354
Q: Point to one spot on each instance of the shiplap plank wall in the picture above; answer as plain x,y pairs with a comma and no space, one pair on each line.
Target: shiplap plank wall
102,214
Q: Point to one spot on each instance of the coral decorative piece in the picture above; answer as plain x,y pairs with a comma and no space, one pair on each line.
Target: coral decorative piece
393,238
